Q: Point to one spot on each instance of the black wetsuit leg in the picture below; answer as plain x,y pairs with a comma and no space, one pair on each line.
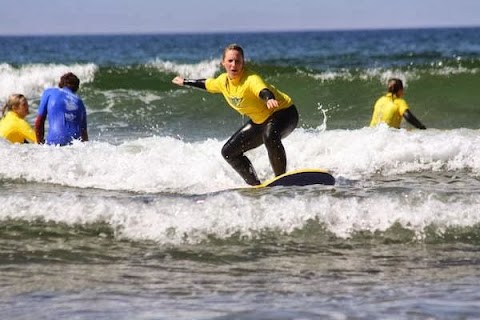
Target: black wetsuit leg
252,135
246,138
278,126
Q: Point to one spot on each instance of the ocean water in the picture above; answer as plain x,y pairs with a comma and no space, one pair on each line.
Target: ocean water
147,221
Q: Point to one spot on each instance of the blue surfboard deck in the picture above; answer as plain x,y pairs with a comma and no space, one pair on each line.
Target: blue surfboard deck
302,177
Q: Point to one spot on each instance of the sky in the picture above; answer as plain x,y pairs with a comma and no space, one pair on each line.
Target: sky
66,17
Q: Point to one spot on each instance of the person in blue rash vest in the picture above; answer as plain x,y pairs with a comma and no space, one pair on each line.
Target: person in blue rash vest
65,112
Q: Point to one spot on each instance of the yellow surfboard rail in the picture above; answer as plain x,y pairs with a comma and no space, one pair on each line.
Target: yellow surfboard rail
326,178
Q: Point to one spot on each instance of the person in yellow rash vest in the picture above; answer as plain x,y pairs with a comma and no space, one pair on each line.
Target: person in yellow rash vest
13,126
391,108
272,114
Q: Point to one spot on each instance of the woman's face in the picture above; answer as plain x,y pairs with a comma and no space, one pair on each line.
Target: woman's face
233,64
22,109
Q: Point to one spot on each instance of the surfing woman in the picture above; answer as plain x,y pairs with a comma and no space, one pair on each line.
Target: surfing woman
13,126
392,107
272,113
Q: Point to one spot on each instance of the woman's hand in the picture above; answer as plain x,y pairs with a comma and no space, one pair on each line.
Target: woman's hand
178,81
272,104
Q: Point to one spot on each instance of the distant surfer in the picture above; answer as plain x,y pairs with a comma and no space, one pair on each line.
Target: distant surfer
65,111
13,126
391,108
272,114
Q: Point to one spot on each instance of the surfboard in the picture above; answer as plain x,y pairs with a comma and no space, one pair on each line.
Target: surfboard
302,177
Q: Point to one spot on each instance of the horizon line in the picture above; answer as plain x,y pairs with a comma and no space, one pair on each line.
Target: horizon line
186,32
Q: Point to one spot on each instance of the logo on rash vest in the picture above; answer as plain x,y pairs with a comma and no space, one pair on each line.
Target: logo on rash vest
70,103
235,101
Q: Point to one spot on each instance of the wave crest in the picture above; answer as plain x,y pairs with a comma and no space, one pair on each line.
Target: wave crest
32,79
203,69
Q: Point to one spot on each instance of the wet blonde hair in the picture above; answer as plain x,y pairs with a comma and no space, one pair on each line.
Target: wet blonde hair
394,85
13,101
235,47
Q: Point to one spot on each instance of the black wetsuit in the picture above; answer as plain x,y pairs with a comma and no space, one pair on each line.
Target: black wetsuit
250,136
270,133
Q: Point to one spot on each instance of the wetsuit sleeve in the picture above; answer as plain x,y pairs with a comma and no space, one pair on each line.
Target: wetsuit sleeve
41,117
40,128
413,120
83,125
197,83
266,94
84,135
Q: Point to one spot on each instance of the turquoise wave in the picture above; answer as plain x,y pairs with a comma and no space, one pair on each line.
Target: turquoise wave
443,97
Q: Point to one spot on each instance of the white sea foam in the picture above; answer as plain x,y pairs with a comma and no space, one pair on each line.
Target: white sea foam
383,74
172,185
160,164
32,79
203,69
175,220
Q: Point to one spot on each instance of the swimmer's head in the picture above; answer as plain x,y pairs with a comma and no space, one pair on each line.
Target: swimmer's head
17,103
394,86
70,81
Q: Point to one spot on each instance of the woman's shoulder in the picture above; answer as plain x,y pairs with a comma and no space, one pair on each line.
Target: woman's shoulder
220,77
401,104
11,116
11,119
400,100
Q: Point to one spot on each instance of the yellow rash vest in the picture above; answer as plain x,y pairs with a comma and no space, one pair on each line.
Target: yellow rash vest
15,129
242,94
389,109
